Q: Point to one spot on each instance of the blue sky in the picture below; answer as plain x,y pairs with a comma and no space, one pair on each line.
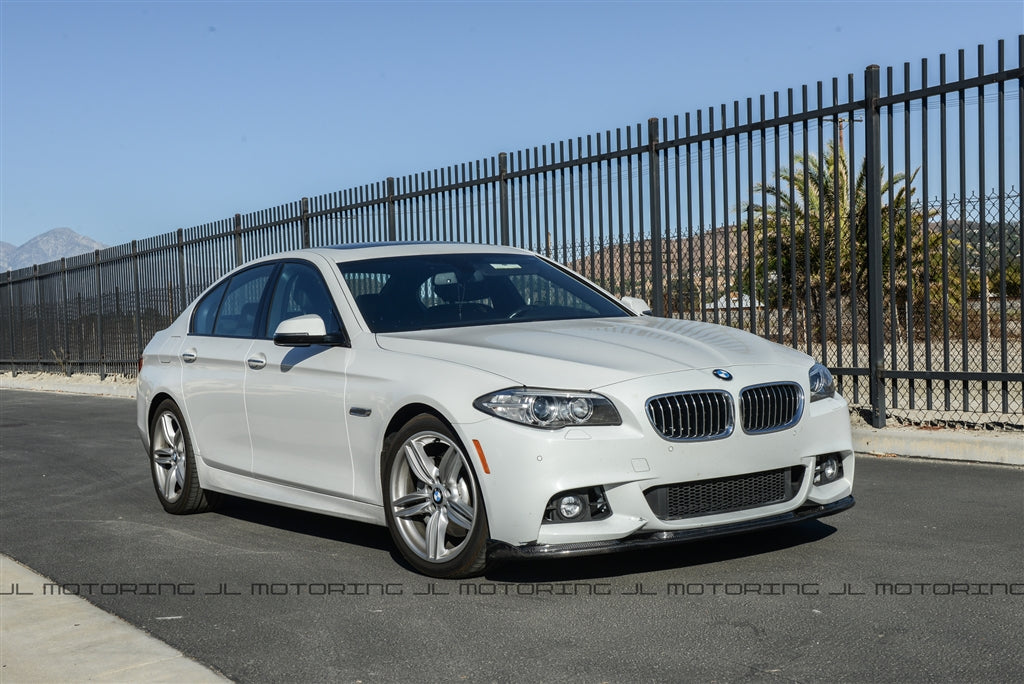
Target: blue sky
123,120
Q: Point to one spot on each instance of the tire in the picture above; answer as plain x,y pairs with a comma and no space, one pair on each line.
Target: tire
432,501
173,464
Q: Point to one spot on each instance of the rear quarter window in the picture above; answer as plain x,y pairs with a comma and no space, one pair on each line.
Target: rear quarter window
205,314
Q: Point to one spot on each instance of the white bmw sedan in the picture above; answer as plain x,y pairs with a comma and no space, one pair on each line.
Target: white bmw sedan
483,402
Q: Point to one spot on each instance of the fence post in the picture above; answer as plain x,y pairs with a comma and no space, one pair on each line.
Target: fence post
99,316
183,296
503,196
81,335
238,239
873,207
392,218
654,175
67,305
10,293
304,221
138,298
39,317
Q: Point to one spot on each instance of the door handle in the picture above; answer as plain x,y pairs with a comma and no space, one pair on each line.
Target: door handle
188,356
256,362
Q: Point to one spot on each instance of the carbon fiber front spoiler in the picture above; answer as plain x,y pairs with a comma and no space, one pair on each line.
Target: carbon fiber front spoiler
499,551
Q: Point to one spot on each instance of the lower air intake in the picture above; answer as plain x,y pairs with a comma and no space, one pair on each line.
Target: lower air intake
724,494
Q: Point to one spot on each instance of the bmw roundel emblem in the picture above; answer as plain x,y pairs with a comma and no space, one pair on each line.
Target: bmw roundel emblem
438,496
722,374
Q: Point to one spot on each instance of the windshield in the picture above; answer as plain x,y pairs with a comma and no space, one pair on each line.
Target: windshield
399,294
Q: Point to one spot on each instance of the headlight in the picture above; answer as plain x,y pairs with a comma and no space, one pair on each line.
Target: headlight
549,409
823,386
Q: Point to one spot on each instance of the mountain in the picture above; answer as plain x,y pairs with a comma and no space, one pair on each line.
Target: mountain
6,250
50,246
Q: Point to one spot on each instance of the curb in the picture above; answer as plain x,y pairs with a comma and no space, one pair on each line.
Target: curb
78,384
944,444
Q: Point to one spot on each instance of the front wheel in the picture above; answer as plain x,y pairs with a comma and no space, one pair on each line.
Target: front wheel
173,465
432,501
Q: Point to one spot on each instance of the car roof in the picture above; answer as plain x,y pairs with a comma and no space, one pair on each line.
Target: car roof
377,250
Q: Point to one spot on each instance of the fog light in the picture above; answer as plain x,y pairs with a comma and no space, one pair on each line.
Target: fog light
577,505
570,507
827,469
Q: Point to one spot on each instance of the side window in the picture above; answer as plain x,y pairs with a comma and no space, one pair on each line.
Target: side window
241,304
206,311
301,290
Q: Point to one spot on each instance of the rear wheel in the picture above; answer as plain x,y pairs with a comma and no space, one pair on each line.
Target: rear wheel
432,501
172,462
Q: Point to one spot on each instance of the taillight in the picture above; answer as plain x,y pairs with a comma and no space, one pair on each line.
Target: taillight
140,364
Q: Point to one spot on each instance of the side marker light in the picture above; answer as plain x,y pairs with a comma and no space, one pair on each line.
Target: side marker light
480,455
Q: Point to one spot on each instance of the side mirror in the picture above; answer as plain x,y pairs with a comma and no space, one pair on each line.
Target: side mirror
302,331
636,305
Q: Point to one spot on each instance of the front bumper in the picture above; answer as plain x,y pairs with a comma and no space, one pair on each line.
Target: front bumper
498,551
527,467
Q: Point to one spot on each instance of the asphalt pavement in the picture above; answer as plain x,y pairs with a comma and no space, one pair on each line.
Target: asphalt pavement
922,580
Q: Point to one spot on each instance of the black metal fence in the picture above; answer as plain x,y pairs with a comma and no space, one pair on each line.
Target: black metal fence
800,217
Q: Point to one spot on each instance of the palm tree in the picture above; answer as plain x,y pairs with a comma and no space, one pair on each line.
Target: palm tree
815,224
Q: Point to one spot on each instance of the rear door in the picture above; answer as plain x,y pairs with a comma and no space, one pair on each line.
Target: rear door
213,368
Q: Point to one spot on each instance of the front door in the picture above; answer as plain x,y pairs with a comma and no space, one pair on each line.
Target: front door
295,396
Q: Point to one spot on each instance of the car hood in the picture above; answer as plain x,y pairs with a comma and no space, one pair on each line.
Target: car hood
591,353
